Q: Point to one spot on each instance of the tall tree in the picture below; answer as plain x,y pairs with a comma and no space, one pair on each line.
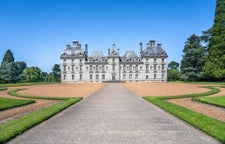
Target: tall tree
193,59
173,71
8,57
215,63
56,73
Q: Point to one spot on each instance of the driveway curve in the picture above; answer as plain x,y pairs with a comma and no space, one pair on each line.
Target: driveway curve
113,115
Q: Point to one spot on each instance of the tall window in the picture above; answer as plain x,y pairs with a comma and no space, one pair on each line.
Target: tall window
130,68
154,60
72,68
136,76
68,68
91,77
64,77
64,68
97,77
80,68
163,76
103,77
124,67
147,68
90,67
136,67
72,77
130,76
154,76
163,67
113,67
81,77
154,67
124,76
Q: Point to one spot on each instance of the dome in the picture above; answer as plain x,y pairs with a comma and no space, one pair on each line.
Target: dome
154,50
73,51
130,55
97,55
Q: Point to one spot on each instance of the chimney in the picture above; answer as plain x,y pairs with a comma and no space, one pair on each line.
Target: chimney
86,48
152,42
67,46
159,45
108,51
140,48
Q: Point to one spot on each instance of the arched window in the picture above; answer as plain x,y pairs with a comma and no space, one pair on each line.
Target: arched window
124,76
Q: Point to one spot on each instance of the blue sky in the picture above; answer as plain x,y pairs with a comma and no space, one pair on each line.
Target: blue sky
36,31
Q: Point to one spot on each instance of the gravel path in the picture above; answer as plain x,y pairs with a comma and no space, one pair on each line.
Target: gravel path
113,115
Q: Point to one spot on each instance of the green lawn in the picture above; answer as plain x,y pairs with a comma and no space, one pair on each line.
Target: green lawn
25,84
207,124
7,103
217,101
19,125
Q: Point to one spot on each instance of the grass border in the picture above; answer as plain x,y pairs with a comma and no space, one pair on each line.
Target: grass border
19,103
14,93
19,125
3,88
208,101
211,126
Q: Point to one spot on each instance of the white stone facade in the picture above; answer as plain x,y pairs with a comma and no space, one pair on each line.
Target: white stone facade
77,66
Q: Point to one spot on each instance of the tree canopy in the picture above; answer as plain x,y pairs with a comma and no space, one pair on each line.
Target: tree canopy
193,59
215,63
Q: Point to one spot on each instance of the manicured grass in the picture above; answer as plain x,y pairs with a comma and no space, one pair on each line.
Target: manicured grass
15,127
217,101
213,90
25,84
3,88
207,124
14,93
7,103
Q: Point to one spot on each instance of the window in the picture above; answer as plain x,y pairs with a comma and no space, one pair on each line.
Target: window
158,67
163,67
64,77
147,68
154,67
97,77
146,60
91,77
163,76
72,68
68,68
72,60
106,67
113,60
154,76
76,68
113,67
154,60
136,76
80,68
130,68
90,67
80,60
72,77
81,77
96,67
103,68
64,68
103,77
136,67
140,67
162,60
64,60
86,68
146,77
124,76
124,67
130,76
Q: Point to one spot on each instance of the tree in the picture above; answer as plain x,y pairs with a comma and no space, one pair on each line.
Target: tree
173,65
8,57
8,72
32,74
214,67
193,59
56,73
173,71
